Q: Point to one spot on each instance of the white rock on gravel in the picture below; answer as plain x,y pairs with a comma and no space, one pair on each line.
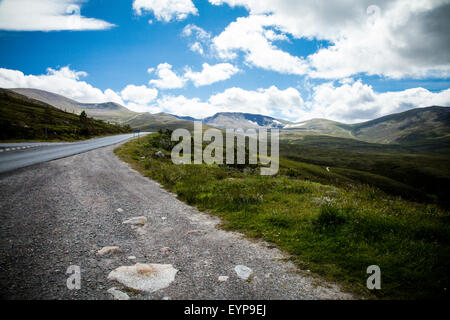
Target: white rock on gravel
107,250
223,279
145,277
243,272
118,295
131,258
119,210
136,221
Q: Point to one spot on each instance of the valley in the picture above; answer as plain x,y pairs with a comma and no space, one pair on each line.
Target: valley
345,196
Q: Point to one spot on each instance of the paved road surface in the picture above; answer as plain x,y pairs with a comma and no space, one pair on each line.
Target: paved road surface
19,155
59,213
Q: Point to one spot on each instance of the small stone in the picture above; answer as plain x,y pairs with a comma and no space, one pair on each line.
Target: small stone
243,272
107,250
118,295
160,154
223,279
120,210
136,221
269,275
163,218
144,277
165,250
131,258
165,298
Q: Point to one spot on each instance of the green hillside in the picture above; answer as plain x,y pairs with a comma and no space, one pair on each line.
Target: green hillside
22,118
109,111
412,126
154,122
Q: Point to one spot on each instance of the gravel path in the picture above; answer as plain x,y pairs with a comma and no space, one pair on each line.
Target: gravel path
60,213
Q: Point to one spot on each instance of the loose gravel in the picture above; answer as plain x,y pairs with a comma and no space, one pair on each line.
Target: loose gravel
62,212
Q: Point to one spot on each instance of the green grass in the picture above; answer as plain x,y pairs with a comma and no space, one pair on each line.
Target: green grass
399,170
26,119
336,232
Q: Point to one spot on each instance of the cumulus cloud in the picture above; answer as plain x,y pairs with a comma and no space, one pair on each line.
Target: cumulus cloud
193,30
182,106
397,39
211,74
197,47
346,100
270,101
69,83
251,36
166,10
139,94
167,78
64,81
349,102
46,15
201,38
354,101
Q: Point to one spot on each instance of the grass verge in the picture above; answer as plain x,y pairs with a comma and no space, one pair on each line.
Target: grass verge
336,232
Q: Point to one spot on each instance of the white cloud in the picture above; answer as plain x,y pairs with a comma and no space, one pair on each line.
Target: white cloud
347,100
202,38
63,81
193,30
167,78
252,36
139,94
166,10
271,101
182,106
397,39
46,15
197,47
211,74
356,102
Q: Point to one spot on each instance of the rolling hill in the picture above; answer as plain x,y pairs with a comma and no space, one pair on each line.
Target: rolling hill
109,111
412,126
426,128
237,120
154,122
22,118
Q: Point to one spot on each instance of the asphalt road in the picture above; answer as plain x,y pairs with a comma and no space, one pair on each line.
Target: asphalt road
60,213
19,155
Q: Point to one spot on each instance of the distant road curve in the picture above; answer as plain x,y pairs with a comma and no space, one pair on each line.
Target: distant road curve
19,155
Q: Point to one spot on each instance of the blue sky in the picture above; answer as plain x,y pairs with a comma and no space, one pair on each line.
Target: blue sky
115,57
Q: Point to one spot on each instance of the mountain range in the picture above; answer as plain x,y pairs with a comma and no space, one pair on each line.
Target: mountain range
422,125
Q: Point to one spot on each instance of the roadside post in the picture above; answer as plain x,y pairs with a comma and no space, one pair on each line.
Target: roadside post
138,133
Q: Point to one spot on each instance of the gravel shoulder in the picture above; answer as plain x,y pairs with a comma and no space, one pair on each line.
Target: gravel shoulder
60,213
